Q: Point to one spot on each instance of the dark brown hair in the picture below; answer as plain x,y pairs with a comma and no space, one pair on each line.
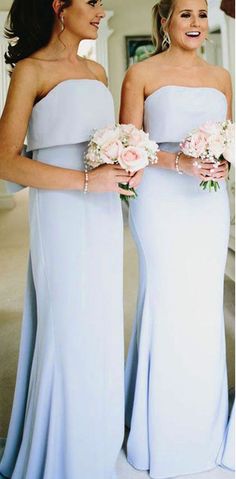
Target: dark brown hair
30,25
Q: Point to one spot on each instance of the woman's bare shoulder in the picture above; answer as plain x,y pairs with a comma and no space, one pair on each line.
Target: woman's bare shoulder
222,77
25,77
27,68
97,70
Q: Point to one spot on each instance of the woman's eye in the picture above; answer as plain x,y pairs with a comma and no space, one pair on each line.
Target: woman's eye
93,3
185,15
188,15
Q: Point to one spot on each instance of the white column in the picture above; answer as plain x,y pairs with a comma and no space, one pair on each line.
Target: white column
102,42
6,200
217,21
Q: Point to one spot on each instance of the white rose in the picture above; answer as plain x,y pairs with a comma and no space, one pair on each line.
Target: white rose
216,145
106,136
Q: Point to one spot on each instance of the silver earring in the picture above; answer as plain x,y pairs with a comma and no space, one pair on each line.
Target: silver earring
166,41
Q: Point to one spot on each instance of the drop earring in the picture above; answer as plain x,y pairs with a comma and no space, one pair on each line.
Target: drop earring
166,41
62,23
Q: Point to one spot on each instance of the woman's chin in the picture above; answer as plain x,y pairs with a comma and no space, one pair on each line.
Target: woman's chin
89,35
192,46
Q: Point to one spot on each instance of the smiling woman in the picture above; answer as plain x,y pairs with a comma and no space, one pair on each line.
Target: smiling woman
162,15
176,378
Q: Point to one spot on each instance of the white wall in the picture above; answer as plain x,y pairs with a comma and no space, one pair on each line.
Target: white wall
131,17
5,4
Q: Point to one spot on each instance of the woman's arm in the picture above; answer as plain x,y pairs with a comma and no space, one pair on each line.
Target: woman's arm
132,107
24,88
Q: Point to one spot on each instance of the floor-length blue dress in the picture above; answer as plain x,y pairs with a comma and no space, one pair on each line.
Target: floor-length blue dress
67,418
176,378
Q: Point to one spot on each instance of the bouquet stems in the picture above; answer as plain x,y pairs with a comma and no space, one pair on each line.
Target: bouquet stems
127,188
210,185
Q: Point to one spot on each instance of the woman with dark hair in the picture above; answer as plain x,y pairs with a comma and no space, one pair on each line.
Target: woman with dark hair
67,418
176,379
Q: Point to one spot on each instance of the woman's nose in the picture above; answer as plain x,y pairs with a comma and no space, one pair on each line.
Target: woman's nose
101,14
195,21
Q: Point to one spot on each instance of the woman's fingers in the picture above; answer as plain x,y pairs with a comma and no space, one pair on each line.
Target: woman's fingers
206,178
219,176
205,173
122,173
136,179
124,192
119,168
211,171
224,162
206,166
123,179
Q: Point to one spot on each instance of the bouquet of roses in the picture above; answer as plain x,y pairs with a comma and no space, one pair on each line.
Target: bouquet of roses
124,145
213,142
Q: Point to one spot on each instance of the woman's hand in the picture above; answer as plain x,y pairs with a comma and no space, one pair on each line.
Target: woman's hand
221,172
136,179
202,170
106,178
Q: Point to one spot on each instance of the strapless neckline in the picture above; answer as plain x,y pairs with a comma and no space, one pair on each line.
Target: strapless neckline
172,111
59,85
69,114
181,87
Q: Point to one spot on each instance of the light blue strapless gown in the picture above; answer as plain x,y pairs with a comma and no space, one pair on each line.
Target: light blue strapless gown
67,418
176,379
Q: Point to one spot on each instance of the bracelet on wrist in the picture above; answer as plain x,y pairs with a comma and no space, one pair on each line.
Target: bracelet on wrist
177,158
86,180
156,160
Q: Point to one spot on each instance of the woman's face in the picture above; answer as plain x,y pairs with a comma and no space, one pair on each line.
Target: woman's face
188,27
82,18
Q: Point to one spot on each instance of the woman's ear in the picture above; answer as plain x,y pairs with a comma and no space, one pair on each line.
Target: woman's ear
56,5
163,23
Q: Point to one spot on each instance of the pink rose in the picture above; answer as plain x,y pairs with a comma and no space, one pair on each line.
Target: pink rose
136,138
111,153
133,159
195,145
198,143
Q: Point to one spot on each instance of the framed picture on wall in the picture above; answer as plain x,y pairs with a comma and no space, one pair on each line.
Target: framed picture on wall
138,48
